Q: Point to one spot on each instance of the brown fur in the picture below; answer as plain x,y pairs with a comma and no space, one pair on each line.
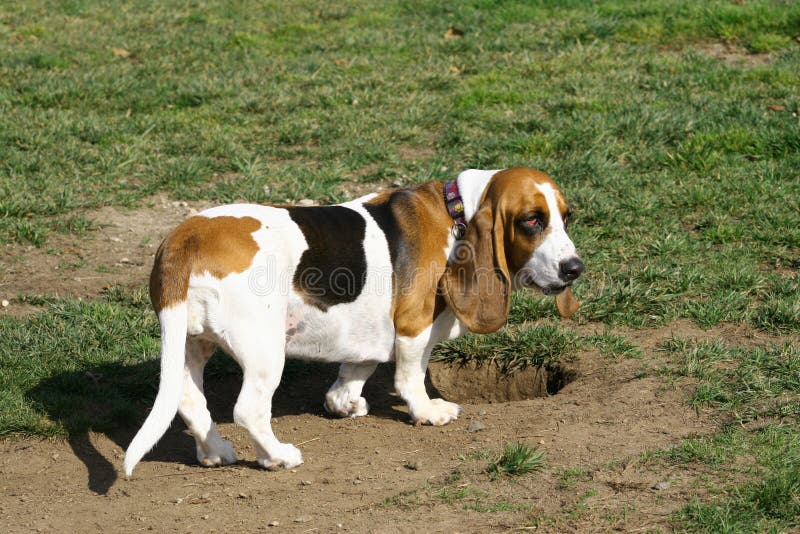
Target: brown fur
423,227
477,284
476,288
218,245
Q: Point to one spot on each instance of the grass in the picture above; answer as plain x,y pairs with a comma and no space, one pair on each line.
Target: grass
516,459
670,124
510,348
80,366
748,386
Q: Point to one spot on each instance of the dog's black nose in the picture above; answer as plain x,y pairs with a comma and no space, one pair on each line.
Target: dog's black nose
571,269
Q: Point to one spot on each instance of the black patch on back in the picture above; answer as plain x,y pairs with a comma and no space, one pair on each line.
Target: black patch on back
334,268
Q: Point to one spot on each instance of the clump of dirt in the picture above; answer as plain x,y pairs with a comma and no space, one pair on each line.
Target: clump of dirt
481,383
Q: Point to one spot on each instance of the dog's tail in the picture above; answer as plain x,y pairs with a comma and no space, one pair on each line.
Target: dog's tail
169,285
173,354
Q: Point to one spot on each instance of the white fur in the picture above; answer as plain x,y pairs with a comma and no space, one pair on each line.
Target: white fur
258,318
173,341
412,355
544,264
471,185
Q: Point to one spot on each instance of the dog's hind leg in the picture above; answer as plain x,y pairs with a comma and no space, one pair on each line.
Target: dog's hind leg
212,450
344,397
261,356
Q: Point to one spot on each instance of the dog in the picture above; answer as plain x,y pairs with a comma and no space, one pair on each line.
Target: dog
381,278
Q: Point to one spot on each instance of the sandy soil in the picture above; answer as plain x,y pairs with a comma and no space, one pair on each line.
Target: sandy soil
373,474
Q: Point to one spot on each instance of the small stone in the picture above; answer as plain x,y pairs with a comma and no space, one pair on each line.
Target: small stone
482,412
204,517
475,426
177,500
273,524
5,303
305,482
541,442
660,486
55,456
303,519
305,202
115,239
356,481
125,260
413,465
243,495
339,525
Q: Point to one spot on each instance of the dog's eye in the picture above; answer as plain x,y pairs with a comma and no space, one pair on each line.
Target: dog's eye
532,223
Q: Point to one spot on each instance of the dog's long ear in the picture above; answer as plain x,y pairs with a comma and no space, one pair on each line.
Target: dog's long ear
566,303
476,284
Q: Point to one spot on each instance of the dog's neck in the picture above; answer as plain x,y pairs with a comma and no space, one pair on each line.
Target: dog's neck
472,184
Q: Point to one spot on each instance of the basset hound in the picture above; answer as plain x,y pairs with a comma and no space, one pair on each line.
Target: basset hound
381,278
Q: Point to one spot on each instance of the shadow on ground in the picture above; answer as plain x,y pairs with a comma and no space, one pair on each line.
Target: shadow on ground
302,391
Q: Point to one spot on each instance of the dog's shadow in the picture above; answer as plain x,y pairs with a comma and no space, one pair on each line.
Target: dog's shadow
113,400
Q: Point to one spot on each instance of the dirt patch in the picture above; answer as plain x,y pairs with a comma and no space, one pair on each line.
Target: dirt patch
375,473
367,474
472,383
733,55
119,251
415,153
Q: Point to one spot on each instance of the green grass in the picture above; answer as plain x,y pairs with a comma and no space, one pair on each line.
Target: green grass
511,348
516,459
79,366
569,477
671,125
747,383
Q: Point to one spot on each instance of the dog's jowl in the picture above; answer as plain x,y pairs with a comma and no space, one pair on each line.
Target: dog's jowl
381,278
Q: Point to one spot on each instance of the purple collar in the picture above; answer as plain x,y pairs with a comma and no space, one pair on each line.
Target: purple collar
455,207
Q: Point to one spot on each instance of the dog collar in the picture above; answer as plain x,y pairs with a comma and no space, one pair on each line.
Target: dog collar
455,207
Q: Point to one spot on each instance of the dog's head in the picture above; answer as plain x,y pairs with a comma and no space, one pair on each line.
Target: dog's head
516,239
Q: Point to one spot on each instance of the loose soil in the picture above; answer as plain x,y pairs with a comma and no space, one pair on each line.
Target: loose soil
373,474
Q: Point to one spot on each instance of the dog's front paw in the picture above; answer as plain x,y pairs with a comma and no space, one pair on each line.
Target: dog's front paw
282,456
436,412
344,407
223,454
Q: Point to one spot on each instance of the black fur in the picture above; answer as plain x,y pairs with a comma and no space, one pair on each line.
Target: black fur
334,268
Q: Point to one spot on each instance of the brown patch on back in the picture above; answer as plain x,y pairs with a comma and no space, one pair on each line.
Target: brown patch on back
417,226
216,245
